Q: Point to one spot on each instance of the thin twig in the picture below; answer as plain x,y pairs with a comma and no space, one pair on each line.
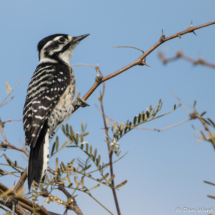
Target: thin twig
132,47
180,102
72,206
171,126
2,103
207,182
180,54
21,181
7,144
10,120
109,151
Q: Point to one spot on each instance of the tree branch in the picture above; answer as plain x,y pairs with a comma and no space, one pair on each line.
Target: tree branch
140,60
6,144
19,210
108,145
71,203
42,210
180,54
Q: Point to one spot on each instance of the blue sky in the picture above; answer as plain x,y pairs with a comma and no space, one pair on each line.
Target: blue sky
164,170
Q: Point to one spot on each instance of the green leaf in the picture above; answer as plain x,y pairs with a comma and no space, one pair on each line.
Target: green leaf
76,138
8,160
67,129
64,145
82,126
135,120
143,116
95,153
139,118
57,143
104,177
86,168
63,165
91,150
120,133
94,187
87,147
72,133
82,139
110,179
85,127
63,129
85,134
121,184
211,122
76,182
130,124
98,160
82,181
56,165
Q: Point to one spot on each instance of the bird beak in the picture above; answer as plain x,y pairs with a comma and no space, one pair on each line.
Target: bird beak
79,38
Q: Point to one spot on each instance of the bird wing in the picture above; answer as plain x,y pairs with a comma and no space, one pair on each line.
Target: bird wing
47,84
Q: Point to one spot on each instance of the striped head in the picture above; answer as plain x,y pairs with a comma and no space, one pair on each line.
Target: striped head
58,47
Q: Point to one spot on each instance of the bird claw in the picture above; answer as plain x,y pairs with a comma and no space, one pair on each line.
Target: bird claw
80,102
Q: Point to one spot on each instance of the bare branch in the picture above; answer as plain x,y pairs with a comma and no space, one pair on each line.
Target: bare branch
19,210
180,54
6,144
21,181
42,210
108,145
140,60
2,103
71,203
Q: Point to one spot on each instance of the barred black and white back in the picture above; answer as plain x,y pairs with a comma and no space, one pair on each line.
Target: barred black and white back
49,99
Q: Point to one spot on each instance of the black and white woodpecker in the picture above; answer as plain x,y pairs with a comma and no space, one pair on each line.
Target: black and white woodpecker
49,99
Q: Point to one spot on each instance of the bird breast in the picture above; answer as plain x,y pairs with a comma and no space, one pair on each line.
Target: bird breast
64,107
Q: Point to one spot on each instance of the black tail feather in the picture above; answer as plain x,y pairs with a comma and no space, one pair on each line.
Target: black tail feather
35,163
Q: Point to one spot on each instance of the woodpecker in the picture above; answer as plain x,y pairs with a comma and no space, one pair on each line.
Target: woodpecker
49,99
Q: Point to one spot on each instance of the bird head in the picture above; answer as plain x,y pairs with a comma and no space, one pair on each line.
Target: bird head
58,47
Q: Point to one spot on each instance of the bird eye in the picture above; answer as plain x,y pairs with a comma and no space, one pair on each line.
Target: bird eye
62,39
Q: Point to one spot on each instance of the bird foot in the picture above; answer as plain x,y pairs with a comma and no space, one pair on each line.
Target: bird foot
80,102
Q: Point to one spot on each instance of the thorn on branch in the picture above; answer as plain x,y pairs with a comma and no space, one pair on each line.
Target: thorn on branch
199,61
162,38
191,26
194,105
203,113
98,79
179,54
143,63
